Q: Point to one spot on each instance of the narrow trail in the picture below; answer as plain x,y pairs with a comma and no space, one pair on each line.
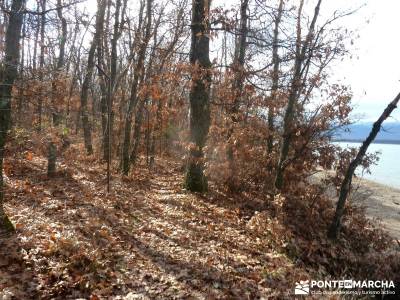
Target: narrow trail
151,239
148,239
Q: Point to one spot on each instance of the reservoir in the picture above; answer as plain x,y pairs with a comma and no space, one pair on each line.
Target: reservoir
387,169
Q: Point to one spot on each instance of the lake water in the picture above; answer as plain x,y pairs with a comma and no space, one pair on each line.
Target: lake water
387,170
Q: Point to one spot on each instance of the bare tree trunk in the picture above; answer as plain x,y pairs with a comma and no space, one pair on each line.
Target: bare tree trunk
195,180
74,79
112,78
103,84
63,37
137,133
51,159
157,131
238,67
8,74
20,97
35,41
60,61
103,80
144,99
133,100
87,134
346,183
148,134
41,60
296,86
275,77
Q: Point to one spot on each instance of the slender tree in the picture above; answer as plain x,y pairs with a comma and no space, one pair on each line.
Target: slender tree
60,62
88,77
143,101
138,76
296,85
164,59
112,78
346,183
36,38
63,36
275,76
239,69
41,59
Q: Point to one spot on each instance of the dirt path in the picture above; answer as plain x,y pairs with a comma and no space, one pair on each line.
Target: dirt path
149,239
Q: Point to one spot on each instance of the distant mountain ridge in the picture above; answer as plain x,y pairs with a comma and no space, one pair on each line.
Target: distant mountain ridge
389,133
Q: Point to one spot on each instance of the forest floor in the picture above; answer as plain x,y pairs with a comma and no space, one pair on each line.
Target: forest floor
148,239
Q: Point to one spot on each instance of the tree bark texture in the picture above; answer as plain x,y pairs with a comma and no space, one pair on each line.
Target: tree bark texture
8,74
195,179
51,159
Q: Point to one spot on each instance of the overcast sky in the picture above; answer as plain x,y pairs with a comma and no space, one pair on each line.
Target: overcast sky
374,70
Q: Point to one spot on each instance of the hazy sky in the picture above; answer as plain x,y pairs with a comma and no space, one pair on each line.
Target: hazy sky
374,70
